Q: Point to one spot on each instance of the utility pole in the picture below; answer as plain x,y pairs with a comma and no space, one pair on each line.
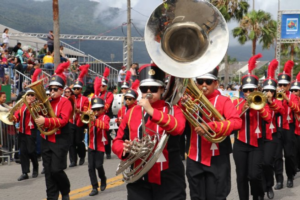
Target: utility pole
129,40
253,5
56,33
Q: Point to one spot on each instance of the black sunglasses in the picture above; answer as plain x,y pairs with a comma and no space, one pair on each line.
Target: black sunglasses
54,89
294,90
103,85
129,99
269,90
207,81
123,88
76,88
246,90
31,95
280,85
96,109
153,89
67,92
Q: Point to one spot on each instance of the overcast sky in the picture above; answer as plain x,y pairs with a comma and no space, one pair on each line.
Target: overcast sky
143,8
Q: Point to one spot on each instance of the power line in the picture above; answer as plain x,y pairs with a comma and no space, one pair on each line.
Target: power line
137,30
140,13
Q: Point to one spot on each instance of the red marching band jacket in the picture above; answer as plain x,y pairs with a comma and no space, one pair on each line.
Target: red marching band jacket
98,133
25,120
293,105
200,149
297,120
82,104
275,107
122,112
251,129
160,122
62,108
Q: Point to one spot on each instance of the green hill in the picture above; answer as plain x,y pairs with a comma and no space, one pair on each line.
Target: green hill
76,17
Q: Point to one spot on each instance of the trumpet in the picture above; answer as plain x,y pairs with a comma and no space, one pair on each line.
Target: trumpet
87,117
256,101
279,95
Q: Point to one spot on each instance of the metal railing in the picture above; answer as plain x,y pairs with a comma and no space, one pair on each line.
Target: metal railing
9,143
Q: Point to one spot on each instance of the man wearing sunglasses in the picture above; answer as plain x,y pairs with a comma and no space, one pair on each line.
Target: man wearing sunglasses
165,180
208,178
295,89
81,106
27,138
97,140
270,129
248,144
55,147
286,130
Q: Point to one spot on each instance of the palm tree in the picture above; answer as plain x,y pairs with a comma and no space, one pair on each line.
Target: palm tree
56,33
291,50
230,9
256,26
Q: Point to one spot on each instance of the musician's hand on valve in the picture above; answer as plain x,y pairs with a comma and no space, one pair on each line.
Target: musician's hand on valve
246,106
147,106
200,131
126,146
285,97
40,121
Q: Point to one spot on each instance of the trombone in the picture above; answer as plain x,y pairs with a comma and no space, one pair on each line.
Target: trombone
256,101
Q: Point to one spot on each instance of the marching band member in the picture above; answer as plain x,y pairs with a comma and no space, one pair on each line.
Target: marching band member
126,83
97,141
130,101
27,135
270,129
286,128
248,145
165,180
82,105
27,138
208,164
295,89
108,98
55,147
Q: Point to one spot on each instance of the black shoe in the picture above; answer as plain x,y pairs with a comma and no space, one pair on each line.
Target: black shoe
23,177
35,173
290,183
298,169
65,197
270,193
72,164
43,171
108,156
81,161
18,161
278,186
94,192
103,184
260,198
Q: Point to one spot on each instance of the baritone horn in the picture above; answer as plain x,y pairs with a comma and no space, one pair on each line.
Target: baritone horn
41,106
186,39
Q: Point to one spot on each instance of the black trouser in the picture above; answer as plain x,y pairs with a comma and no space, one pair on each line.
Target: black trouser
297,150
286,140
209,182
108,146
54,162
95,159
50,48
270,148
27,151
172,186
249,161
77,143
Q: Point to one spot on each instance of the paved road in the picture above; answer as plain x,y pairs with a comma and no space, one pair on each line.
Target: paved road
34,189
